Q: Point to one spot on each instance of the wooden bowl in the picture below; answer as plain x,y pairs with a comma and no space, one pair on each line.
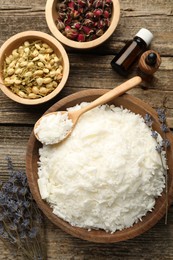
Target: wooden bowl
51,15
32,157
18,39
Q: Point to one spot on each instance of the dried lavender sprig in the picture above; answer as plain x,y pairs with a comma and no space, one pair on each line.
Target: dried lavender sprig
161,112
154,134
164,128
148,120
161,115
20,219
161,146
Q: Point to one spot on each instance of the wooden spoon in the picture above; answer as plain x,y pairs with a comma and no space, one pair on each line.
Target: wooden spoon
74,115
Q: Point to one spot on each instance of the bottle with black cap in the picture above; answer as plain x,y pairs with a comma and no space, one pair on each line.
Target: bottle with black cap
151,59
148,64
127,56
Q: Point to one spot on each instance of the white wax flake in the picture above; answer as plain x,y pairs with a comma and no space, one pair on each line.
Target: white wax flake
53,128
106,175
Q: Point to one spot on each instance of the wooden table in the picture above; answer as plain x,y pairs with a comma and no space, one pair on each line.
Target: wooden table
91,69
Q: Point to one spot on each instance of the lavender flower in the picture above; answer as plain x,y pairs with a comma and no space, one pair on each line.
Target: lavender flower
161,146
1,228
5,235
12,206
1,217
33,232
166,143
162,118
20,219
23,191
154,134
164,128
2,199
148,120
14,189
26,204
161,115
26,223
13,226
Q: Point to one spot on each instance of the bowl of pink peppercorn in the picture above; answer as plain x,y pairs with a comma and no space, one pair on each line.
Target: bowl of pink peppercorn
82,24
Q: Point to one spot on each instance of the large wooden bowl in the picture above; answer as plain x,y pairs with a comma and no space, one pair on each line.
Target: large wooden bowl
18,39
32,157
51,16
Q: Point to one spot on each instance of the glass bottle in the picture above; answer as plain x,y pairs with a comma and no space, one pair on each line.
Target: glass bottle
127,56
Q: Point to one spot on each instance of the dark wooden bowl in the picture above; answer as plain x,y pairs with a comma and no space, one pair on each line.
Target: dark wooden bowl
32,157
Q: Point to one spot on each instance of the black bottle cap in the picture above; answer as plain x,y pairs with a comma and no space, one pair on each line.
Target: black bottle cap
151,59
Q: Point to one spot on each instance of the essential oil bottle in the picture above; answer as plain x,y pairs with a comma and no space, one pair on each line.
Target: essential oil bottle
148,64
127,56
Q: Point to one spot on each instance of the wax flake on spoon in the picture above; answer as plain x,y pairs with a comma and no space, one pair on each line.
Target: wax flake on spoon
53,131
53,128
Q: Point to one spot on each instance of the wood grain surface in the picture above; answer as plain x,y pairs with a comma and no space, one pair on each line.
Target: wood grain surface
91,69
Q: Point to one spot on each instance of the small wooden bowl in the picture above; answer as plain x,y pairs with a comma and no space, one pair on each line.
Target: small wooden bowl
135,105
18,39
51,15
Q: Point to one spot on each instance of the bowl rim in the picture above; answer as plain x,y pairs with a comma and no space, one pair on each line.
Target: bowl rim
81,45
56,45
100,236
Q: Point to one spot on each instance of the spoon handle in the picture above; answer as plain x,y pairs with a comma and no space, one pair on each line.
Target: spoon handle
117,91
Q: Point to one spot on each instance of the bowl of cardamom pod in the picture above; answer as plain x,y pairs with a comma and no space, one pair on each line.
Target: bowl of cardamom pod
82,24
34,67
